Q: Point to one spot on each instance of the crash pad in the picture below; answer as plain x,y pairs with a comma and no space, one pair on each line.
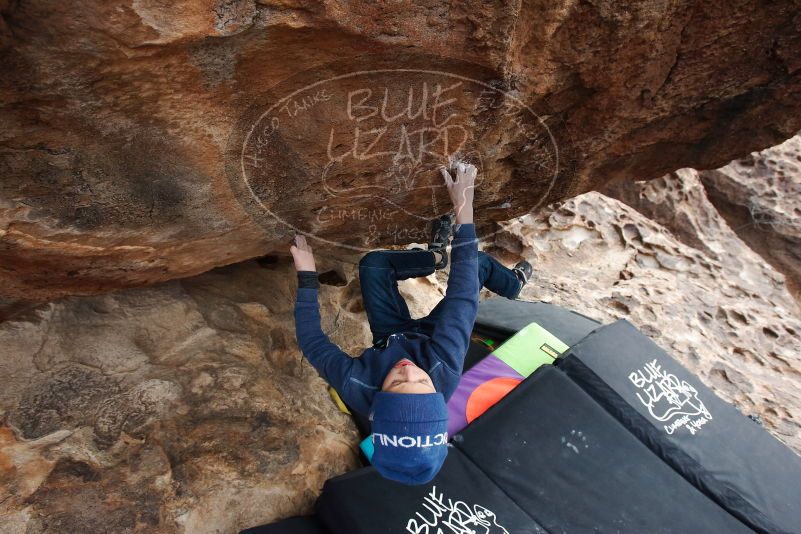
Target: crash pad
292,525
460,499
500,318
529,348
484,373
496,375
574,468
725,454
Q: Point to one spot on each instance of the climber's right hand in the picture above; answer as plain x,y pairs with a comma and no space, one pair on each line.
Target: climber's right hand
302,254
461,190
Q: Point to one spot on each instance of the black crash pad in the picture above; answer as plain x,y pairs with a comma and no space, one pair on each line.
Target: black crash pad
500,318
293,525
572,467
475,353
725,454
460,499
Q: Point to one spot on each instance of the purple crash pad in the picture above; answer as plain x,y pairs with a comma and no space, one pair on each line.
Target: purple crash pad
484,371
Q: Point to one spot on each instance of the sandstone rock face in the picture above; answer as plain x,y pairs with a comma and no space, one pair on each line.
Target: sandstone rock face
691,285
185,407
760,197
138,145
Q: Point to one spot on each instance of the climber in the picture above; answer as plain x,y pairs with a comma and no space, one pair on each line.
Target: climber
403,381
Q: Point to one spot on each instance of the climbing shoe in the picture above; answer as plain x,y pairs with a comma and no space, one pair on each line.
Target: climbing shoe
523,271
441,230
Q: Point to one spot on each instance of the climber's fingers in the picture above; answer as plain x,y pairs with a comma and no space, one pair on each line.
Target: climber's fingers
447,176
300,244
466,173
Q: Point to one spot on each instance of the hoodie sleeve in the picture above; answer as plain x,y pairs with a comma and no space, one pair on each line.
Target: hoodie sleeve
450,337
331,362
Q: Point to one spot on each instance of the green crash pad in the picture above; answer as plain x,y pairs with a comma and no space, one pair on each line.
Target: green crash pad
529,348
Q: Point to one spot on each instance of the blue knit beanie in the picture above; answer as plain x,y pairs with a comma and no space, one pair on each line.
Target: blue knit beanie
410,435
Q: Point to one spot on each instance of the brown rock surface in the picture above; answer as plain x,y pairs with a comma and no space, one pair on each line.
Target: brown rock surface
184,407
695,288
119,118
760,198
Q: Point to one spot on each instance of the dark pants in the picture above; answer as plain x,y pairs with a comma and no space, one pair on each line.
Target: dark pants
380,270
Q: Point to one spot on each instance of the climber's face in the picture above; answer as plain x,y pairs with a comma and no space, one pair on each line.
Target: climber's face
406,377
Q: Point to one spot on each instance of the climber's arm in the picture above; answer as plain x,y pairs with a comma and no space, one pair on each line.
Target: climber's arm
331,362
450,337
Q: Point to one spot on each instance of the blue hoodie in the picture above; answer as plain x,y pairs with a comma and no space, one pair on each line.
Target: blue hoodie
357,380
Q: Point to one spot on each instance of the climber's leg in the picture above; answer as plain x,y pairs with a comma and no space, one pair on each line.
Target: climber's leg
492,275
379,272
497,278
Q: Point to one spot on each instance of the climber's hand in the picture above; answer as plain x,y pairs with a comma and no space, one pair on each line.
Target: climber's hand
302,254
461,190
